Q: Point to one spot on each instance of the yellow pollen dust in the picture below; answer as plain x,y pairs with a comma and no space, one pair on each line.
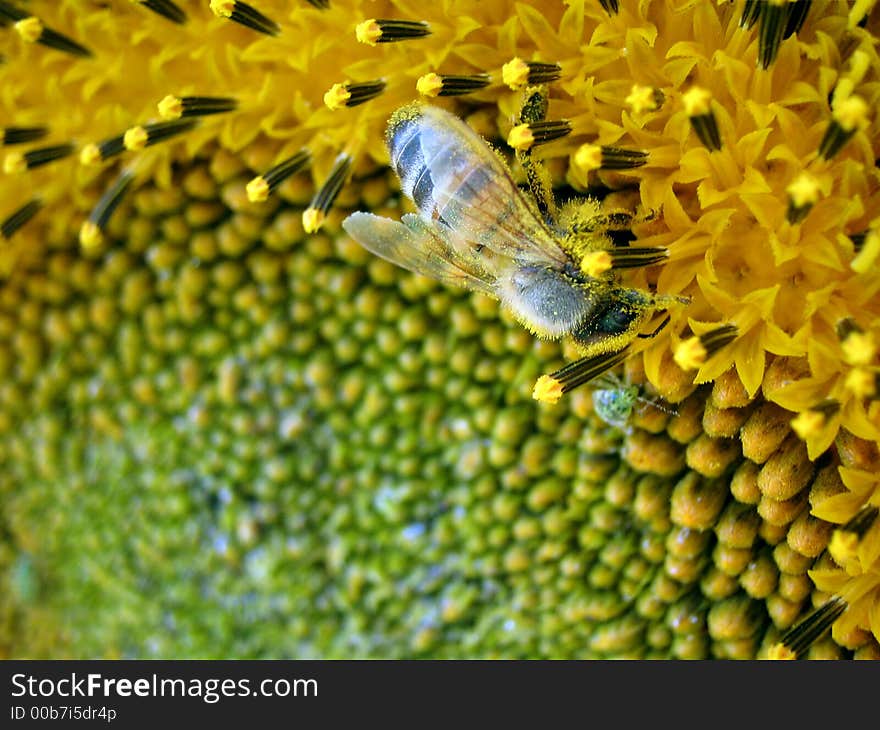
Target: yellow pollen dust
257,189
859,348
171,107
844,548
521,137
690,354
865,259
90,154
780,652
313,219
850,113
515,73
596,263
641,99
222,8
429,84
547,389
808,424
90,236
803,190
30,29
368,32
861,382
336,97
696,101
588,157
14,163
135,138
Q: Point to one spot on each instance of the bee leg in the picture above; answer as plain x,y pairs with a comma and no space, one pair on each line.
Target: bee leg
534,109
660,328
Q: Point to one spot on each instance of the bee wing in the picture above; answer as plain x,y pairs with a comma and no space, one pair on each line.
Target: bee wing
453,176
416,247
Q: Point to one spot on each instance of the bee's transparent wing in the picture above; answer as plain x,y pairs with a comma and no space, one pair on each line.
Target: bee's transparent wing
417,248
472,191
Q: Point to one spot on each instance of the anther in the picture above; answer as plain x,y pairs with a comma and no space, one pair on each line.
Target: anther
91,233
245,15
636,257
94,154
518,73
590,157
20,135
610,6
175,107
17,162
526,136
848,115
644,99
693,352
449,85
19,217
550,388
348,95
168,9
862,521
314,215
799,638
867,248
697,105
803,194
32,30
375,31
259,188
810,422
139,137
773,20
320,4
751,13
797,14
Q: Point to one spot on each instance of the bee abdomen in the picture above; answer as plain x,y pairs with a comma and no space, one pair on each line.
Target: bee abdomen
546,301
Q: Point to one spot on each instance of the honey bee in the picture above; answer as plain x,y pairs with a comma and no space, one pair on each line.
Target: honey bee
475,228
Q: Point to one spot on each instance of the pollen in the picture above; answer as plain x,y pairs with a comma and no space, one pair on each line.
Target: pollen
803,193
596,263
862,383
29,29
808,423
588,157
642,99
690,354
859,348
135,138
547,389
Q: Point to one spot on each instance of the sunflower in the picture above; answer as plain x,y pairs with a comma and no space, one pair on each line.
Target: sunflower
227,430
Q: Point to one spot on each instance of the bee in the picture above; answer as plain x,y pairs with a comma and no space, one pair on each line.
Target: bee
614,401
475,228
